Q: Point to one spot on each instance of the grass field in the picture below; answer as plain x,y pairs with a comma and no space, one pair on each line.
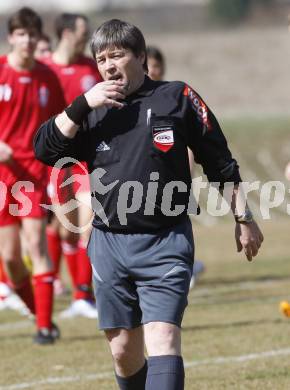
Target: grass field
233,334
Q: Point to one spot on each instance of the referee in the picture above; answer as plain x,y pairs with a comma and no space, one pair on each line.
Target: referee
133,133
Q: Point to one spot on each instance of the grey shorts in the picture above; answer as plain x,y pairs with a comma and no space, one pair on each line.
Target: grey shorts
141,278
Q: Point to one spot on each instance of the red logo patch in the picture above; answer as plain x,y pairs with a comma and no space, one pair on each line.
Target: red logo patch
163,137
199,106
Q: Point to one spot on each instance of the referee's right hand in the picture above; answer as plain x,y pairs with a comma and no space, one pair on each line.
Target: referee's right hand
106,93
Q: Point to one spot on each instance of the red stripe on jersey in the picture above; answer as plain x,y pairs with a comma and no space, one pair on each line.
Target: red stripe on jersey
199,107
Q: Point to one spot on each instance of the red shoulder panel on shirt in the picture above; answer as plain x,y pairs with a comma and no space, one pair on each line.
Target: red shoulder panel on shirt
199,106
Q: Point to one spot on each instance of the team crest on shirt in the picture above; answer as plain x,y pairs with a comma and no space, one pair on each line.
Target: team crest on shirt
68,71
87,82
43,95
5,92
163,137
24,80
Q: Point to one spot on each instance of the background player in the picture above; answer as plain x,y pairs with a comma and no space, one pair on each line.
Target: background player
77,73
29,94
156,63
43,47
8,299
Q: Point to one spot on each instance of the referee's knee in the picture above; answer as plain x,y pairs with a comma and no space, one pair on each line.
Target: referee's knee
126,361
127,350
162,338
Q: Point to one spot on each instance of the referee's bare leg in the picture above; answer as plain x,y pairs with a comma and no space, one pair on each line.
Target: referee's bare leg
164,370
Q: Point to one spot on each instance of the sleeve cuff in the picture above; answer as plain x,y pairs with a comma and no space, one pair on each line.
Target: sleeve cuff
59,136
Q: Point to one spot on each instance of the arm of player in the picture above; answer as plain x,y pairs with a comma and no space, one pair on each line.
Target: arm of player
6,153
102,94
247,233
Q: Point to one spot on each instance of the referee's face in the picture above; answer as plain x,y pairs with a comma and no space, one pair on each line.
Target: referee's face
121,64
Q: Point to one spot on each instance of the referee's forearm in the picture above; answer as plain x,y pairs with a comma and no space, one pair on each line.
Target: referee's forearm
239,201
50,144
66,126
69,121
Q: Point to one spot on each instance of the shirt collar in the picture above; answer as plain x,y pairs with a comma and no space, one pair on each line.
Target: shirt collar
146,89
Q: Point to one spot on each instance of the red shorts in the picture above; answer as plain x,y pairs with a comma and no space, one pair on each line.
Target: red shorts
82,181
79,182
22,191
56,193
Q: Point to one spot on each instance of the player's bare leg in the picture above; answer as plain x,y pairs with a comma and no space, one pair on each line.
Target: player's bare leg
69,242
43,275
69,239
83,304
59,239
55,251
10,249
10,252
85,215
34,236
62,241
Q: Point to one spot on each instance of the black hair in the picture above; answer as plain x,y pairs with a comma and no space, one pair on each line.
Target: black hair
119,34
153,52
67,21
44,37
25,18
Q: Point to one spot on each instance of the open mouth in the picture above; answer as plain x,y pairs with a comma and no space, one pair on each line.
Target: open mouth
116,77
120,78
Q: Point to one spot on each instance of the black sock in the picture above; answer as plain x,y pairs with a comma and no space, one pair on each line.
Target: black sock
134,382
165,373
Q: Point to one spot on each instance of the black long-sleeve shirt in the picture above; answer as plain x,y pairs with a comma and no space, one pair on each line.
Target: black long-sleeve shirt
149,134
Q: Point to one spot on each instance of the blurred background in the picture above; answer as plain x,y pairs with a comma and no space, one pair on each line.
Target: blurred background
235,53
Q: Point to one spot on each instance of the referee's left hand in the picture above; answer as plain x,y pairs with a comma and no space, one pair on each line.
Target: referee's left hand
248,238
